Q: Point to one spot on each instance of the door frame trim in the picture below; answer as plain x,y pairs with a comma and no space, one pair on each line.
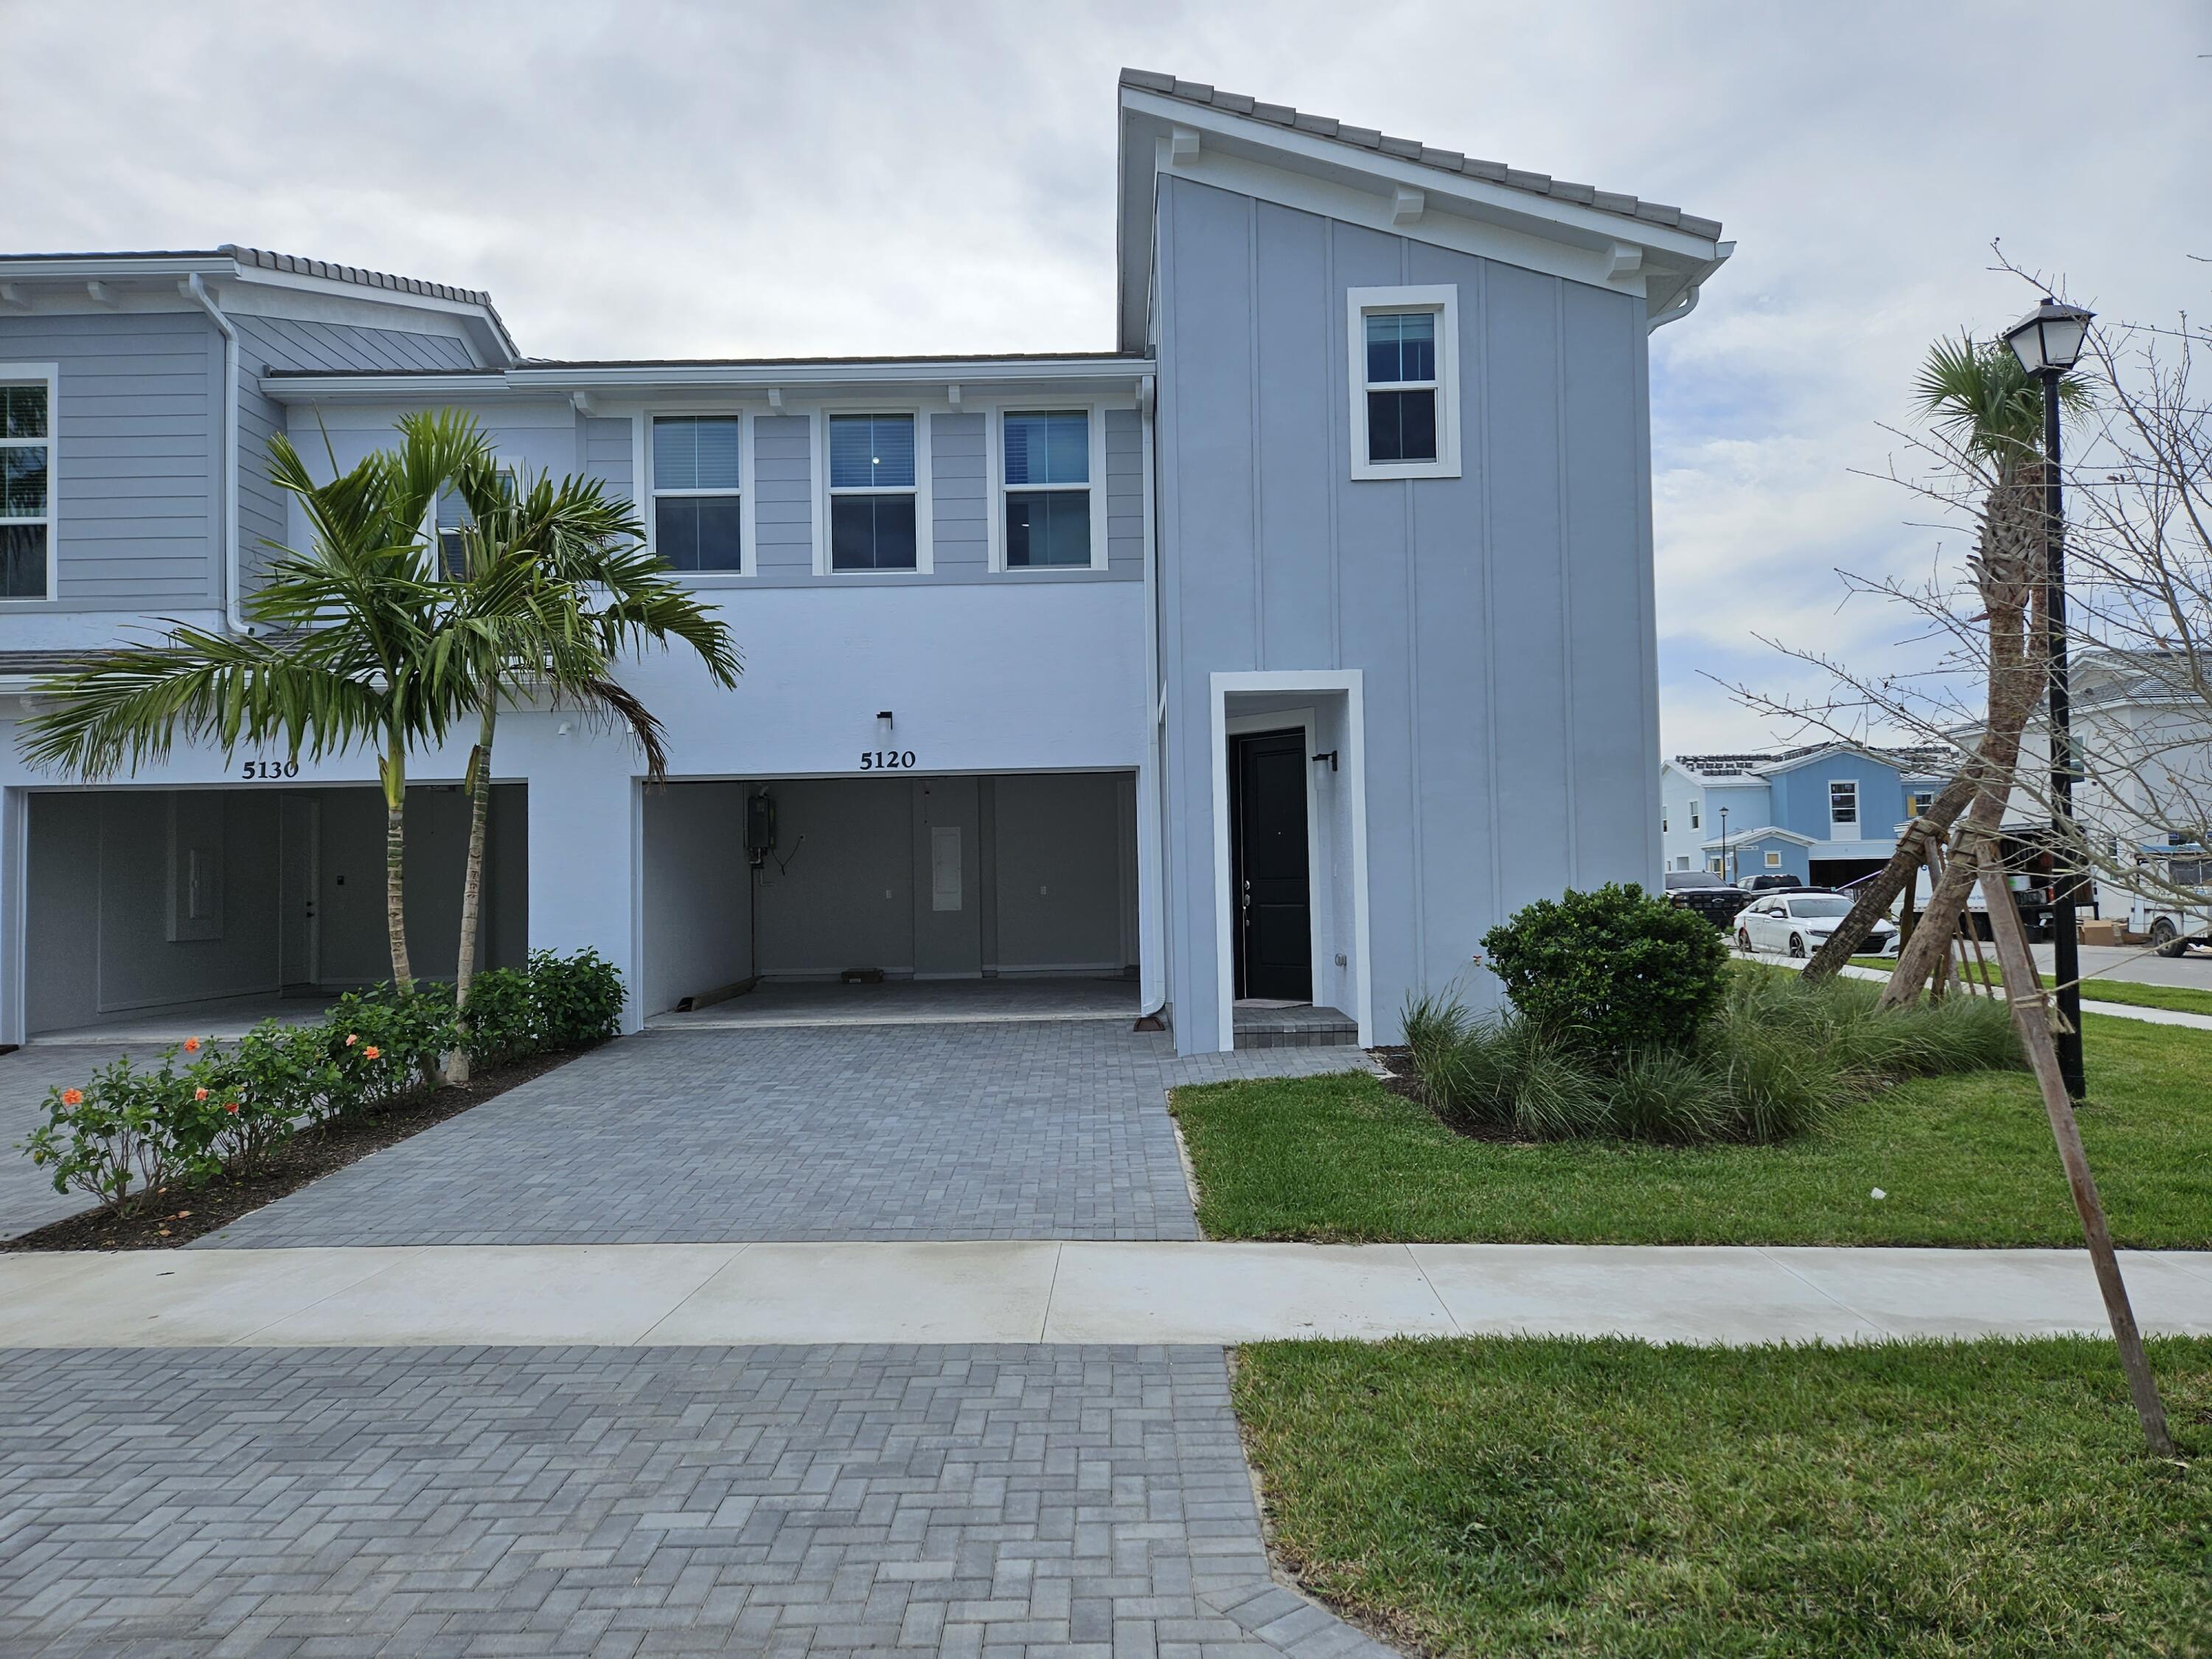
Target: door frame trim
1347,683
1282,720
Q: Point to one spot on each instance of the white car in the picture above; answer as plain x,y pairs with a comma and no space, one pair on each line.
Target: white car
1798,923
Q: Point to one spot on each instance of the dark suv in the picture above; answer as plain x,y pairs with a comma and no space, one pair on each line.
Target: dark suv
1707,894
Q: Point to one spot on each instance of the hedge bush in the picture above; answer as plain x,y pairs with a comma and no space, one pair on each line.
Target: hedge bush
1610,970
126,1132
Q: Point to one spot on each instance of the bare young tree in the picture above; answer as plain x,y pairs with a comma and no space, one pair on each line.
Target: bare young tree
2139,626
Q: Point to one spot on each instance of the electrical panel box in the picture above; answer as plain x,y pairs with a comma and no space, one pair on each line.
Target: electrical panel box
760,825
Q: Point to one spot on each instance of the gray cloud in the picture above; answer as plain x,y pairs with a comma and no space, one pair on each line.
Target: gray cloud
679,179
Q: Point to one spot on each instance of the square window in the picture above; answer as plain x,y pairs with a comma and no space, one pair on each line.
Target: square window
695,452
871,452
698,532
872,532
1404,381
25,407
1047,448
1774,860
1049,527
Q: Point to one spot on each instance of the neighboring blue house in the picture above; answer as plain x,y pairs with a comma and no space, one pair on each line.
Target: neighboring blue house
1269,653
1827,813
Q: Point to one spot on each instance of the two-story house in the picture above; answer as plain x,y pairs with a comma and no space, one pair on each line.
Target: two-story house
1269,655
1826,813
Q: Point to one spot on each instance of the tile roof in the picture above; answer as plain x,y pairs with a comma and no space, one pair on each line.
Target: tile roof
301,266
1412,149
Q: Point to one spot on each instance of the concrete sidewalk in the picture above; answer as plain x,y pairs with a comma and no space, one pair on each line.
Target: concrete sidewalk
2089,1004
1072,1292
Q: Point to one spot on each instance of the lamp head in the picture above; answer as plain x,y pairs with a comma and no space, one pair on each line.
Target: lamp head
2048,340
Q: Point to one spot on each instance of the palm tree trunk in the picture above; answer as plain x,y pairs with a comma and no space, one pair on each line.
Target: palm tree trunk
393,771
464,959
2009,572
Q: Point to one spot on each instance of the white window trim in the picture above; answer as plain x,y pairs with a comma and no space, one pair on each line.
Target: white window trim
925,557
1774,860
995,470
1697,820
1855,818
1442,299
647,495
50,374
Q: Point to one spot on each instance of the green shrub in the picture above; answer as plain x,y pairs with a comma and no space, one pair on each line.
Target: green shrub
277,1077
127,1134
1502,1072
499,1026
386,1043
580,997
1611,970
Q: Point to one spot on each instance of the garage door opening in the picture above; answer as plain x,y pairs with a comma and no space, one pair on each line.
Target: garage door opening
158,913
914,899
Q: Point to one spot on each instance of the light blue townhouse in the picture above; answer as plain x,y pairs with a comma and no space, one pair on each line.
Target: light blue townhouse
1267,654
1825,813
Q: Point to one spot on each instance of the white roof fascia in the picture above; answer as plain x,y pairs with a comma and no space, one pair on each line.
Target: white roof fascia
1765,832
796,378
1472,215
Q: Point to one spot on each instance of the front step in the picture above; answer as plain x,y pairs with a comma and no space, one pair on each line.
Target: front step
1302,1027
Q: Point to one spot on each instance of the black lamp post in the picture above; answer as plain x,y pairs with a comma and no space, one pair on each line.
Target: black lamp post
2048,343
1727,875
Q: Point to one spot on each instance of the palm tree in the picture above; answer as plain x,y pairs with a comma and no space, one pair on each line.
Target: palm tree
348,655
1989,411
550,586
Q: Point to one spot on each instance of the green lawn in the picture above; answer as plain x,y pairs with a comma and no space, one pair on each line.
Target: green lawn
1511,1496
2182,998
1964,1160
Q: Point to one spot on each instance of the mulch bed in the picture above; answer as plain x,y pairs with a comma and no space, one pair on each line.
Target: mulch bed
179,1215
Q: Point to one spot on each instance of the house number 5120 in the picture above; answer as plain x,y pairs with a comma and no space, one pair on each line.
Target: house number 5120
887,760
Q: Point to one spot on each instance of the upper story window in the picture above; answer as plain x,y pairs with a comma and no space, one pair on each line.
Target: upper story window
1843,807
26,502
455,520
1695,822
1918,801
873,492
1404,381
697,521
1045,467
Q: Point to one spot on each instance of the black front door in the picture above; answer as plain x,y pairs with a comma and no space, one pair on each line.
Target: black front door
1267,866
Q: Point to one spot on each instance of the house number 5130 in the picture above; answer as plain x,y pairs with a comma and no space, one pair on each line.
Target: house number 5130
887,760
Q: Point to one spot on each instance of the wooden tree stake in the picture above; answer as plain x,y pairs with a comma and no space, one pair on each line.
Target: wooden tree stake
2031,1013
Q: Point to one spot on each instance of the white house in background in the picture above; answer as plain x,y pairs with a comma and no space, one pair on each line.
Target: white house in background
1273,652
1826,813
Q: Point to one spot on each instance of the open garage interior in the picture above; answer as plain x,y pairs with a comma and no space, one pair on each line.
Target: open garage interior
768,901
148,908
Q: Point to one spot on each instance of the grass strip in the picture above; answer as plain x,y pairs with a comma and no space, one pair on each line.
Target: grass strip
1514,1496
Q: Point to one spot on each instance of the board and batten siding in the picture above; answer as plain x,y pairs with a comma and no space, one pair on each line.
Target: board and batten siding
137,406
1502,620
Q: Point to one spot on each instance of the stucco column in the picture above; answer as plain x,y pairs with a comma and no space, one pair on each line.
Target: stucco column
586,842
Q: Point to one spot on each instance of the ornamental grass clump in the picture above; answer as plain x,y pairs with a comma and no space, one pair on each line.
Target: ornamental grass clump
1641,1042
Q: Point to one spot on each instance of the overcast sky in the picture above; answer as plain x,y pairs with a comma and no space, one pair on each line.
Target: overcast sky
836,177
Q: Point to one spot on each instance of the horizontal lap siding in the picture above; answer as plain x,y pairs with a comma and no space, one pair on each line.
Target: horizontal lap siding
783,504
960,524
139,401
609,457
1125,492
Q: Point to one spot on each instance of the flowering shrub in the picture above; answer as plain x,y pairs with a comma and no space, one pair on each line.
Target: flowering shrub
126,1132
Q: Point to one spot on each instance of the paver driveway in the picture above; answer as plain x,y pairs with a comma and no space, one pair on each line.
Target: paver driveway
1079,1501
999,1131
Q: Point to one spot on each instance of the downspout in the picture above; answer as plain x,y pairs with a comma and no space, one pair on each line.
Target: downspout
233,612
1152,825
